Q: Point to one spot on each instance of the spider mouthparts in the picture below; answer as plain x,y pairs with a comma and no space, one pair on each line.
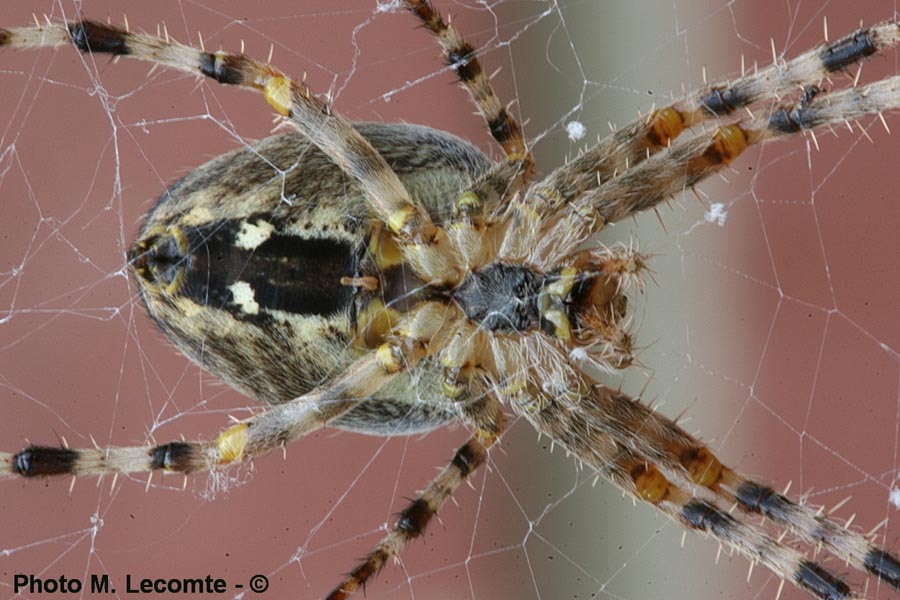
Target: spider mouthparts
585,304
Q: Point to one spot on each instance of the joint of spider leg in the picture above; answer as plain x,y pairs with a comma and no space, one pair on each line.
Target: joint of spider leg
485,436
413,520
560,285
505,130
91,36
452,384
794,119
426,326
726,145
402,352
808,93
468,458
463,62
650,485
533,404
174,457
430,18
703,516
702,466
462,59
224,67
499,183
39,461
587,214
358,577
278,92
389,357
848,50
763,500
722,100
546,196
408,222
557,323
522,158
460,358
513,387
558,311
664,126
883,565
375,322
820,582
384,248
231,443
468,206
456,380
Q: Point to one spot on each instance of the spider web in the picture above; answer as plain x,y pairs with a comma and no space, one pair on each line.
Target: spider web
772,322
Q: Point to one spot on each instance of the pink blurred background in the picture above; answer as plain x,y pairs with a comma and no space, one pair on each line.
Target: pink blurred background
777,332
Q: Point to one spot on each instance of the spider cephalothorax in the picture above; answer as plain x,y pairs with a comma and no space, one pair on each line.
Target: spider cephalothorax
409,281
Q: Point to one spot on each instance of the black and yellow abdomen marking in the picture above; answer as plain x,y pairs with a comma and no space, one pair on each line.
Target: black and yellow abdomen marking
250,274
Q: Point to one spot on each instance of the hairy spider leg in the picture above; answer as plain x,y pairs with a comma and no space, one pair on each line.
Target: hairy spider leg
424,243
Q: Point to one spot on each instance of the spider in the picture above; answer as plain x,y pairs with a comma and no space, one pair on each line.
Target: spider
458,275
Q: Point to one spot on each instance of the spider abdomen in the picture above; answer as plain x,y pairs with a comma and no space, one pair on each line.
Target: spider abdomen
247,264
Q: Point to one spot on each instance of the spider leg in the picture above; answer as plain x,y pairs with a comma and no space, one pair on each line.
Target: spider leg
509,176
632,445
678,451
603,431
485,417
245,440
424,244
687,163
637,141
461,57
420,334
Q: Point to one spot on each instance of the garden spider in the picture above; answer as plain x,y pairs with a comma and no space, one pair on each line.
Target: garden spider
531,404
